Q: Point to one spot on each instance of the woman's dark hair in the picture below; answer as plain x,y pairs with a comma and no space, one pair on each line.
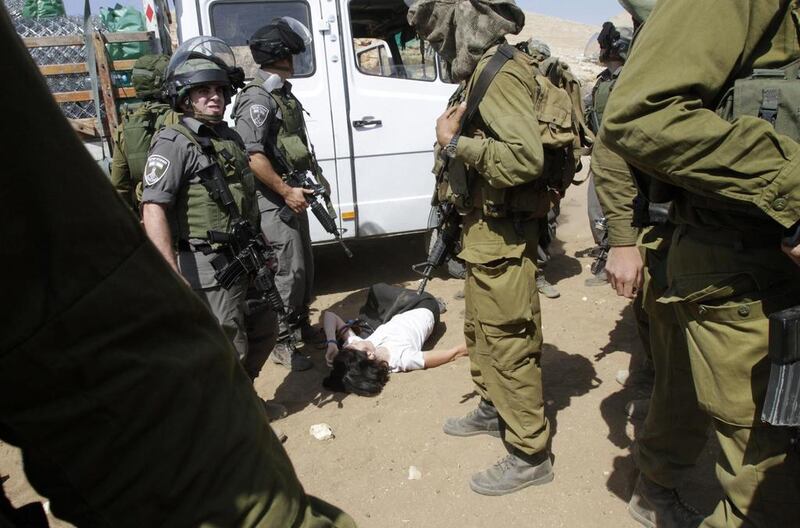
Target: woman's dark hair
354,372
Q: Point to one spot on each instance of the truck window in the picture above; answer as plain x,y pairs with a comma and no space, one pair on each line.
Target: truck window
381,28
235,21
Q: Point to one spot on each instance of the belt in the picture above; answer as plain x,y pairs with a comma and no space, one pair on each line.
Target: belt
198,247
738,240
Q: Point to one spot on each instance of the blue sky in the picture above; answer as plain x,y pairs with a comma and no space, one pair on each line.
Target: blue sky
588,11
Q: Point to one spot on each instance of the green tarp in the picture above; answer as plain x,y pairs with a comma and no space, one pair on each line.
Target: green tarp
43,8
124,18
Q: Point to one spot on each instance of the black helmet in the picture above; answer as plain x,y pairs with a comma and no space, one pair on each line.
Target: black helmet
199,61
614,41
281,38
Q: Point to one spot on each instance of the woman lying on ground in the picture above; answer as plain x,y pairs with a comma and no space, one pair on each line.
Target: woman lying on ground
362,366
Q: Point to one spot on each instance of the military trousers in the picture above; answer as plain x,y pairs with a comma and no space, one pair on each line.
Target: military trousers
722,287
675,430
502,327
289,236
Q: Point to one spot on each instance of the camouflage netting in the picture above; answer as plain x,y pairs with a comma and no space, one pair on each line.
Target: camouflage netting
63,25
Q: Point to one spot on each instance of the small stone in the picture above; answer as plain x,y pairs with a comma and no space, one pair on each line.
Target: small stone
584,299
321,431
414,473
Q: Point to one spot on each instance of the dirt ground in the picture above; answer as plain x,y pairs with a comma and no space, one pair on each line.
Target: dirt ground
589,335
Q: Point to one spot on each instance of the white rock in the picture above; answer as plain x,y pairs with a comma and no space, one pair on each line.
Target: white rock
321,431
414,473
584,298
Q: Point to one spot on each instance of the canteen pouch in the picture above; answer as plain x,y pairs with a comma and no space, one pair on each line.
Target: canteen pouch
782,401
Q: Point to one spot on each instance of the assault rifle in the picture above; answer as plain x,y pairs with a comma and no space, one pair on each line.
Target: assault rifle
447,233
248,253
298,178
600,260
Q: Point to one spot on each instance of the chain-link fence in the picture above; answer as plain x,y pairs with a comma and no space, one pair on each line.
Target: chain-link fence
58,26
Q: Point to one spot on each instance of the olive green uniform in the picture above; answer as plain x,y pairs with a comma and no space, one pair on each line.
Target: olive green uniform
125,398
266,117
675,430
173,178
737,189
502,320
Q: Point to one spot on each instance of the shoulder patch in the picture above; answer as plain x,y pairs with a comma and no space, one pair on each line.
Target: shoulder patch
155,169
259,114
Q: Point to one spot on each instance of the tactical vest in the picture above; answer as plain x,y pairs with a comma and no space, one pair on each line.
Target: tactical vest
291,141
197,212
600,94
138,125
467,190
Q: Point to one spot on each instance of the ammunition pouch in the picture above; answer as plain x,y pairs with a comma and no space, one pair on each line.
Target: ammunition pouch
782,400
769,94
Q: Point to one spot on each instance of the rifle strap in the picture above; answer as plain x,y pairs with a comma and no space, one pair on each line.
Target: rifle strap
504,53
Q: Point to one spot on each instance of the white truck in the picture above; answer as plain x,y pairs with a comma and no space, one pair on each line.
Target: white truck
373,91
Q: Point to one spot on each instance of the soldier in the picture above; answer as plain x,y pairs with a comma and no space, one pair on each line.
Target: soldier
704,125
270,120
540,51
614,44
675,430
494,162
138,123
178,210
122,393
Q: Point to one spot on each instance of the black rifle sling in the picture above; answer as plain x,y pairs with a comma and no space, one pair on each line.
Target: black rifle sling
504,54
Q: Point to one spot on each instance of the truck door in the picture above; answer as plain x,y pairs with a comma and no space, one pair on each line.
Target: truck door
235,21
394,95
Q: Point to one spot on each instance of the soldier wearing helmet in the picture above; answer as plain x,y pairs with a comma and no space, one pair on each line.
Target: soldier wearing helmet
269,119
178,210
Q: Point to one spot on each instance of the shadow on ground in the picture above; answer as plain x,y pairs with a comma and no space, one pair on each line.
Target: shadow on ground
393,255
564,376
700,487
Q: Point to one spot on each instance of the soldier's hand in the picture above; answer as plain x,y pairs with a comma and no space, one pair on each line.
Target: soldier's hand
624,269
793,252
448,123
295,199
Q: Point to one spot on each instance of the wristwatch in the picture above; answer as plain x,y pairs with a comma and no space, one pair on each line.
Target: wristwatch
450,148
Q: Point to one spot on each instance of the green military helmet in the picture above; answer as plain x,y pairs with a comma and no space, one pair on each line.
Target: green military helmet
148,75
281,38
639,9
201,61
537,47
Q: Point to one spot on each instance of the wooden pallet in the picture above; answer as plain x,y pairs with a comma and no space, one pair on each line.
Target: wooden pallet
105,70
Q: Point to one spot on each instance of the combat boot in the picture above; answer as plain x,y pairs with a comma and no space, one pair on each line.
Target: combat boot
513,473
283,354
482,420
546,289
275,411
654,506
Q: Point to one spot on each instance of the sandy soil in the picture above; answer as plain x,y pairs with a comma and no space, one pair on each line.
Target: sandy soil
589,333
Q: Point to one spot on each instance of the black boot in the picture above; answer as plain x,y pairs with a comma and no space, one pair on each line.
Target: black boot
653,505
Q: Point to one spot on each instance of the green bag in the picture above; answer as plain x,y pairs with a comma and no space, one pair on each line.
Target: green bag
43,8
121,19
